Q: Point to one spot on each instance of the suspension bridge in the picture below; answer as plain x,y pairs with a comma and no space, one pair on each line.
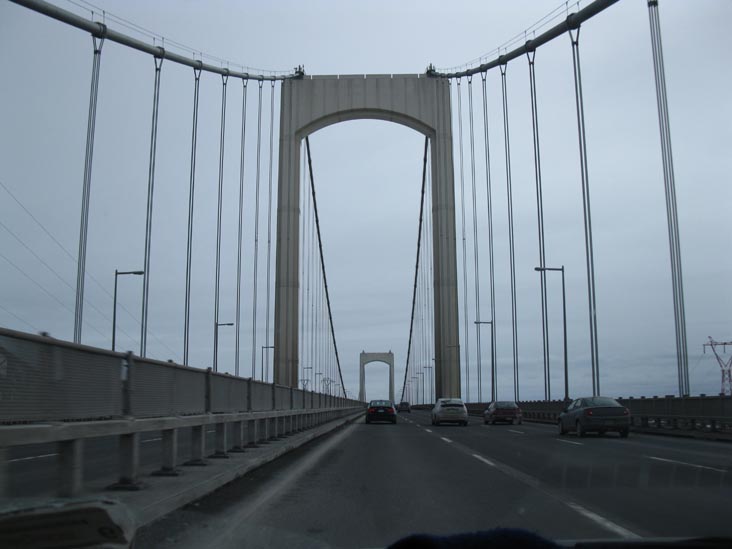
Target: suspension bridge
148,434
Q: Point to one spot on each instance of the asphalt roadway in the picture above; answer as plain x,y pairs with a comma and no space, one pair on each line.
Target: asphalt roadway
370,485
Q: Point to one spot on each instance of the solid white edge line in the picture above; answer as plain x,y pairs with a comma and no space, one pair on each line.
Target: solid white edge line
686,463
569,442
446,439
31,457
602,521
484,460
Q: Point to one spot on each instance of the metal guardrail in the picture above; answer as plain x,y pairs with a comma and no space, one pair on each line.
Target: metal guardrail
669,414
45,379
54,391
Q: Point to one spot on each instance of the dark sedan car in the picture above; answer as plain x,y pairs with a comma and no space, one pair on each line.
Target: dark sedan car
502,411
595,414
404,406
381,410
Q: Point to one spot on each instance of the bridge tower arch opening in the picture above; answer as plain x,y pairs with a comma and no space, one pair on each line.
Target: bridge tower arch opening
367,358
416,101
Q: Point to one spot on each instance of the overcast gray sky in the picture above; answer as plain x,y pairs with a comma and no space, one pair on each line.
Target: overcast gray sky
368,176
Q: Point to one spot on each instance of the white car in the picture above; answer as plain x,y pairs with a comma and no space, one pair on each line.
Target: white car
449,410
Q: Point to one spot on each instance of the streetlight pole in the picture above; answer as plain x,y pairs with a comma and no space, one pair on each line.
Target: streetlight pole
262,361
564,322
422,374
494,393
416,388
114,312
216,343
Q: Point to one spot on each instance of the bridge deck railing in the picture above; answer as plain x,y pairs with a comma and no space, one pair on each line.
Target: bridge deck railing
710,414
53,391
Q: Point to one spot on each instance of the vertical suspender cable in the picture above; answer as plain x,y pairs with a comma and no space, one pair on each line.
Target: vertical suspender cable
150,187
256,233
86,186
540,224
322,262
217,284
241,223
311,293
507,145
476,273
269,221
191,195
416,267
465,258
682,357
491,269
589,254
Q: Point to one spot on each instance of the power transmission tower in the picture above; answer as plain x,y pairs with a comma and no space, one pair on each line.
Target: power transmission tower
725,366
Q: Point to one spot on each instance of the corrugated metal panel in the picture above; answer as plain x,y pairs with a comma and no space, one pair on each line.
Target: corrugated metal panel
261,396
42,380
228,394
282,398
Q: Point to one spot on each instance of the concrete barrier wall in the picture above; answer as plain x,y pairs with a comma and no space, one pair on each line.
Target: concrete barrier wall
45,379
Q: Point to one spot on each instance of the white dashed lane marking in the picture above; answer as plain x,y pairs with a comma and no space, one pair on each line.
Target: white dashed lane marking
687,464
446,439
570,442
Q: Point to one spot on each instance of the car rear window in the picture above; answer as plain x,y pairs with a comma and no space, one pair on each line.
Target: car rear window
453,403
602,401
380,403
506,405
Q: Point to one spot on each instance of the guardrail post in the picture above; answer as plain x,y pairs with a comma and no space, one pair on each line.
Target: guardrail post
238,437
126,373
71,467
129,463
208,390
252,433
198,446
169,454
3,472
264,431
221,442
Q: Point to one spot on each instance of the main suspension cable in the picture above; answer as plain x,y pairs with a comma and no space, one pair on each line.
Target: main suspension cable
322,261
416,266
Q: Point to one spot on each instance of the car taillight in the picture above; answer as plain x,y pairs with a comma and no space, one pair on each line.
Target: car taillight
372,410
588,412
390,410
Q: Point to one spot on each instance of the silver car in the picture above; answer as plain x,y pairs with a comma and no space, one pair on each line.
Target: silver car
449,410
